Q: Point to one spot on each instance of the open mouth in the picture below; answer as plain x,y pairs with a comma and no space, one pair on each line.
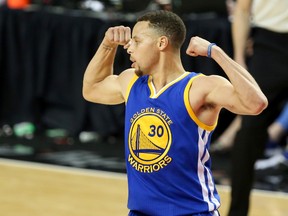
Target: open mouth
133,62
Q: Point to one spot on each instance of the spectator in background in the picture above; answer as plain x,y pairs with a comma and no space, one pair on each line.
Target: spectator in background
165,4
269,66
277,154
275,146
225,141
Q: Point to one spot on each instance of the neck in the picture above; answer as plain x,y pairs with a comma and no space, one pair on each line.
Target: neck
168,69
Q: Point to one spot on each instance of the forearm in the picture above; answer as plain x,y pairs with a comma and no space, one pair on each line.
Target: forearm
236,73
240,31
245,86
101,65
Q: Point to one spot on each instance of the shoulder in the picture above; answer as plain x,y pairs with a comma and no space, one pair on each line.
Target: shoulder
126,80
211,78
205,89
207,83
126,76
199,94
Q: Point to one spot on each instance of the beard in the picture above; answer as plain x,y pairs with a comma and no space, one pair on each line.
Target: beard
139,73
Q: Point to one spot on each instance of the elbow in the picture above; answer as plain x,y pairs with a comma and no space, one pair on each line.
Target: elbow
86,94
259,106
90,95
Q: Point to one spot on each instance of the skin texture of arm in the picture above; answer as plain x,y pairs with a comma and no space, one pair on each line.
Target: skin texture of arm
209,94
99,83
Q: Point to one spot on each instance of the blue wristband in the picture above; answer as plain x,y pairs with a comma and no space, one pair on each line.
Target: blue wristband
210,49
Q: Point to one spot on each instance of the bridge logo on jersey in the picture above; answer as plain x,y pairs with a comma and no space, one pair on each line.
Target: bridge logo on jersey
149,142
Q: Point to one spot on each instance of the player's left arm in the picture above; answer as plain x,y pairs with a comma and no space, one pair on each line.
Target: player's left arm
241,94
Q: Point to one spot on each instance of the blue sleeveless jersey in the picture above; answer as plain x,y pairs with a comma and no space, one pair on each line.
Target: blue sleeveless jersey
166,149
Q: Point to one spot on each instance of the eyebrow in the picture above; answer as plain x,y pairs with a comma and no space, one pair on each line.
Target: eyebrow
135,37
144,33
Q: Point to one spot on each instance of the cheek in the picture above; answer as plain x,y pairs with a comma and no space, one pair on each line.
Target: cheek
147,57
152,57
147,60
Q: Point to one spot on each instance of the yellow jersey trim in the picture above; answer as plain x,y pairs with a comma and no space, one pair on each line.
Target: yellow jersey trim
189,108
132,81
153,93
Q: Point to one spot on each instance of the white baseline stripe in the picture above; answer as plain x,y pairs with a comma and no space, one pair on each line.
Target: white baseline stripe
62,169
265,193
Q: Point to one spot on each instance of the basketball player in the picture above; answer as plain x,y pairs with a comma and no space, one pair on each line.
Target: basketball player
170,113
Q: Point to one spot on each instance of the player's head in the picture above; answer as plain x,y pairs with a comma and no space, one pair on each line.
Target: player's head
168,24
155,33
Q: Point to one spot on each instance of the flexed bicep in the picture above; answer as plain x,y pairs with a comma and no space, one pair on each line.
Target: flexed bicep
111,90
223,95
108,91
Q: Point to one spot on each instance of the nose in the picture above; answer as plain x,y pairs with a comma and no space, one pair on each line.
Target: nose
129,50
129,47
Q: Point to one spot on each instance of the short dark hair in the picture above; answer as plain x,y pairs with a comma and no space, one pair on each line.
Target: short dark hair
168,24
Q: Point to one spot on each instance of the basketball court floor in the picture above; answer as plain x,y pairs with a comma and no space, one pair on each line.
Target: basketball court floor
35,189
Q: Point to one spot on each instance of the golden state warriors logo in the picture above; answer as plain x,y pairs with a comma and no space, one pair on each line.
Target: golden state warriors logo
150,140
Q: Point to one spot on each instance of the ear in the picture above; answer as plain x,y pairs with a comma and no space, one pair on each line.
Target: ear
162,42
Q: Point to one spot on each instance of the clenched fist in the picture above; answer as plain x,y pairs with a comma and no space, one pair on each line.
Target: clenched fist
197,47
118,35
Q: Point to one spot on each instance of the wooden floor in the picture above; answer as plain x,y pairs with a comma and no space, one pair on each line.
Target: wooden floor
31,189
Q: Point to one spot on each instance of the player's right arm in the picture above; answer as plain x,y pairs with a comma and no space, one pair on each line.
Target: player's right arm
99,83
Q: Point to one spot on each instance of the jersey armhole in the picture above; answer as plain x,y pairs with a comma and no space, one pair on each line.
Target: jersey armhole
131,83
190,110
